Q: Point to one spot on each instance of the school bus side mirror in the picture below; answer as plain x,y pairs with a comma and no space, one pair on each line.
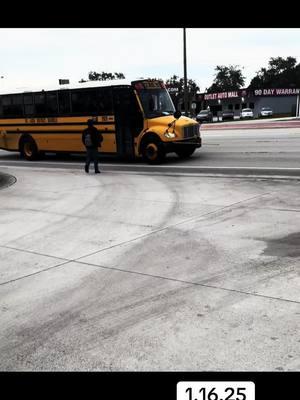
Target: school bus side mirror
177,114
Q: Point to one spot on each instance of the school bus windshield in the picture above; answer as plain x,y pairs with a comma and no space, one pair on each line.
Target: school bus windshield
156,102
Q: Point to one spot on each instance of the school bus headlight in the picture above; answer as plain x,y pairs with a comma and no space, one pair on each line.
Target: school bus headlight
170,135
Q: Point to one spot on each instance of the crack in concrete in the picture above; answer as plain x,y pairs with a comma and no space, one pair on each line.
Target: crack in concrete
191,283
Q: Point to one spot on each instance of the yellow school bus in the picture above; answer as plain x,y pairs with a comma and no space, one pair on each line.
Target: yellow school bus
136,119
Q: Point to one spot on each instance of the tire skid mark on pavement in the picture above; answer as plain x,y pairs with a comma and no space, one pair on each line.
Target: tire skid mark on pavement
164,228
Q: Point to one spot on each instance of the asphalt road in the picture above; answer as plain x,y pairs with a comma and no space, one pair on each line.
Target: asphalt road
234,148
277,148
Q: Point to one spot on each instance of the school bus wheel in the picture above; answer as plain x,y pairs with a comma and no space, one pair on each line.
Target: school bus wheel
28,148
153,151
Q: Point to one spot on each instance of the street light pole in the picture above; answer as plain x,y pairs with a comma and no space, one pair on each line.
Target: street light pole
185,94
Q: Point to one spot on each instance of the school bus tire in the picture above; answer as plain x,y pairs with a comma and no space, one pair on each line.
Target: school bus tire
185,153
28,148
152,150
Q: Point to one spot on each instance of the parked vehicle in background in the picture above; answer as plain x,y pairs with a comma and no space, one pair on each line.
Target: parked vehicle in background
227,115
246,113
204,116
265,112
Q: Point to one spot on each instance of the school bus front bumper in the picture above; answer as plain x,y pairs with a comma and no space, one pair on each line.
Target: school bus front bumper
185,143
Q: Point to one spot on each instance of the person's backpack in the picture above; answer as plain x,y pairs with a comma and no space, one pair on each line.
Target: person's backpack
88,139
100,139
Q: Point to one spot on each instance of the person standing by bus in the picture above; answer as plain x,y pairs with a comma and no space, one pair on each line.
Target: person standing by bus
92,139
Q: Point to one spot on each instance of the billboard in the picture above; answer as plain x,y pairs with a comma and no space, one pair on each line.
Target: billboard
276,92
226,95
253,92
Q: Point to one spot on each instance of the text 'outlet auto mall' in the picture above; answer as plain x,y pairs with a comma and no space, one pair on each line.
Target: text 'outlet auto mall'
282,101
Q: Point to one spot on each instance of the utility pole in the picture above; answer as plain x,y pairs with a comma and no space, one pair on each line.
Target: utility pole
185,93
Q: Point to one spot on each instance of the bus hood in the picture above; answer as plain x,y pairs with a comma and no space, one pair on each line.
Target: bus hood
162,123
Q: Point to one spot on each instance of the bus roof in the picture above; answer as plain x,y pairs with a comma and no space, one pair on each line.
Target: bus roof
89,84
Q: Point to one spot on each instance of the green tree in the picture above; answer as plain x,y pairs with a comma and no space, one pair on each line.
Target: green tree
279,73
227,79
103,76
119,75
178,83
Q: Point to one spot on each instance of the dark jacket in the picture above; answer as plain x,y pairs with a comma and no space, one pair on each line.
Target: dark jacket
96,137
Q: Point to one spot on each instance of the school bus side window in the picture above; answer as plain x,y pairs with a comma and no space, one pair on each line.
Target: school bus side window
40,103
92,103
12,106
28,104
104,101
81,102
51,103
6,103
64,102
6,100
95,101
151,103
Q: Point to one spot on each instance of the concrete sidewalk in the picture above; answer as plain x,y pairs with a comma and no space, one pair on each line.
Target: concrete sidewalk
140,272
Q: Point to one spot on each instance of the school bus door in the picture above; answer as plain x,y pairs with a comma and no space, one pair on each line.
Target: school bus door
128,120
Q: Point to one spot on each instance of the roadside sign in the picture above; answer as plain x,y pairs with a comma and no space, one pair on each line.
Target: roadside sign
64,81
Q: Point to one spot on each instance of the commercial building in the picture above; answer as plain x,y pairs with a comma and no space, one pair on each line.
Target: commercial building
283,101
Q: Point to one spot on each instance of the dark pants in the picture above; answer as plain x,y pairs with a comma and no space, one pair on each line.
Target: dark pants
91,155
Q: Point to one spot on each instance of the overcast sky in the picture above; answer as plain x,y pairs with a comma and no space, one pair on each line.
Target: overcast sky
33,57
